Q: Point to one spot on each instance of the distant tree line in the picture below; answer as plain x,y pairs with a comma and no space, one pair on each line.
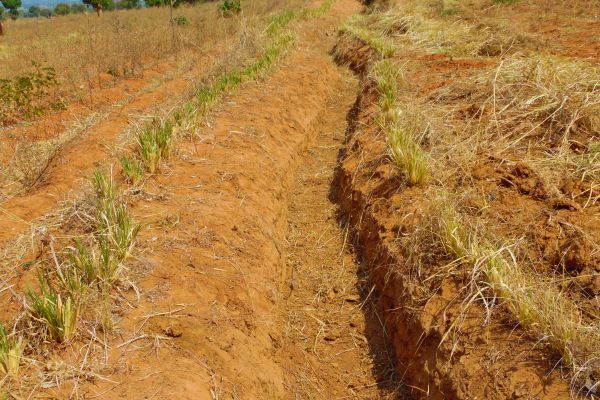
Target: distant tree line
12,8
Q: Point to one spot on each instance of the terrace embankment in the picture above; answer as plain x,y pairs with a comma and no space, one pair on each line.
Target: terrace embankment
249,288
451,341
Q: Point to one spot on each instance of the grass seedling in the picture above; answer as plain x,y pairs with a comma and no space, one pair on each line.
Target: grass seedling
133,169
60,316
11,351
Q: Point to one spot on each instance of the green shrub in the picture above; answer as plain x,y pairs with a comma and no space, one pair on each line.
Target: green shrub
180,20
28,94
230,7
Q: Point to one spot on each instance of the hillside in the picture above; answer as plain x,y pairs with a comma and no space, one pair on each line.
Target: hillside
290,199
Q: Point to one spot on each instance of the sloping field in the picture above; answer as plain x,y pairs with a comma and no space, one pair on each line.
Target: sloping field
323,200
470,178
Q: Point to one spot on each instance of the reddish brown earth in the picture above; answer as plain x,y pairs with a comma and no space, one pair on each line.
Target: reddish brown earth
255,285
249,286
94,144
441,352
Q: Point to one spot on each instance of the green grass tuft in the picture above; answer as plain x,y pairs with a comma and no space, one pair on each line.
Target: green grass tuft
155,143
133,169
60,316
11,352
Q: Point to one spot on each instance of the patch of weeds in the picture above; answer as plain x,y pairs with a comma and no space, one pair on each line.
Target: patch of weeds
180,20
505,1
450,10
230,7
11,351
28,95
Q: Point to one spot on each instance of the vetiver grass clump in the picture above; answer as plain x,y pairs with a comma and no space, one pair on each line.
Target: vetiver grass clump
377,40
133,169
155,144
403,130
59,314
388,79
531,299
11,351
404,126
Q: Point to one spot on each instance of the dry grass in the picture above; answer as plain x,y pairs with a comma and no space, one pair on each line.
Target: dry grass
543,96
535,106
82,47
532,300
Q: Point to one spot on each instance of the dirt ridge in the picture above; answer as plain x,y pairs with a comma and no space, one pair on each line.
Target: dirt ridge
380,210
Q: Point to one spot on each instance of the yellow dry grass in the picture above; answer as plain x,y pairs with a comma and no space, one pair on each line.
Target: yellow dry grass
122,43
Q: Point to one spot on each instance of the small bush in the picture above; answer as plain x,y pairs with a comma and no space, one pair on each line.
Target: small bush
230,7
28,94
180,20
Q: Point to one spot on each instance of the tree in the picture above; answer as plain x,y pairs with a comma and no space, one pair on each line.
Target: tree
129,4
13,7
100,5
155,3
78,8
46,13
62,9
34,11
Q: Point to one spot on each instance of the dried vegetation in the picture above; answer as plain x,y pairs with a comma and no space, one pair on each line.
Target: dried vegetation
502,104
81,276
